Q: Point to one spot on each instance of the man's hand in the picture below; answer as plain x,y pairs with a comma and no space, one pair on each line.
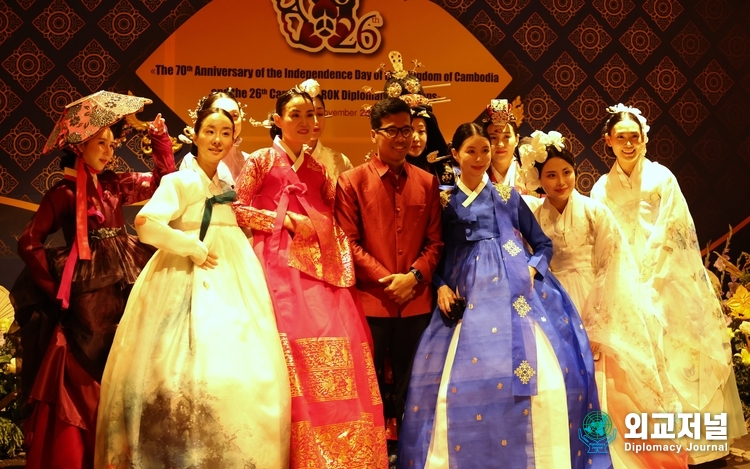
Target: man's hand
400,287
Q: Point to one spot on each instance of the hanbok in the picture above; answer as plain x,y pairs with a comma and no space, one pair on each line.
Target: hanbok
64,351
509,385
652,212
196,376
592,260
337,413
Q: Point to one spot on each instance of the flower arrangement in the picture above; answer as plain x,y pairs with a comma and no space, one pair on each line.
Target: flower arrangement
733,287
11,437
534,150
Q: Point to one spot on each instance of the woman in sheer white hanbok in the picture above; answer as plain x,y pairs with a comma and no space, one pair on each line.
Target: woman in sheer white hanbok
594,263
649,207
196,376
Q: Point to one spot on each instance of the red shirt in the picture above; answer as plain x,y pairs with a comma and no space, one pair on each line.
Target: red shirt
393,224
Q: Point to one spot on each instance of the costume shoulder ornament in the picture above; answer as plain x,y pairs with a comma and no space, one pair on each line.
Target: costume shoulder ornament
503,190
445,197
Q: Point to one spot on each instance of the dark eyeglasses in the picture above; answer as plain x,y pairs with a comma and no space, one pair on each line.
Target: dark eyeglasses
392,132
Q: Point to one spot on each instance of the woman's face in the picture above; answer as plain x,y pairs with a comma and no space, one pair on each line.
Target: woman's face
233,109
214,139
558,179
626,141
474,156
99,150
296,120
504,142
320,120
419,137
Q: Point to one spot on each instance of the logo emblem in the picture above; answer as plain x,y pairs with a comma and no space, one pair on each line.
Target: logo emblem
597,432
314,25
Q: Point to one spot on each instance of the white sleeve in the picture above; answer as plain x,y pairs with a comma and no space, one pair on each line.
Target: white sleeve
167,204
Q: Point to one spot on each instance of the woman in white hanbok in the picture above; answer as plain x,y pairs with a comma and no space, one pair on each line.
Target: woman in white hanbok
594,263
196,377
648,205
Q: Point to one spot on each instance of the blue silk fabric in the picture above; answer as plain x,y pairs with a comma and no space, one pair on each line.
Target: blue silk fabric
486,401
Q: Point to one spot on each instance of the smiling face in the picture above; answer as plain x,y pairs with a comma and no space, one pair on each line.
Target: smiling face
419,137
558,179
473,157
230,105
392,150
296,121
320,120
627,143
504,142
99,150
214,139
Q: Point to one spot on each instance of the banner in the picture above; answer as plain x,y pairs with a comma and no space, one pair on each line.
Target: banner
262,49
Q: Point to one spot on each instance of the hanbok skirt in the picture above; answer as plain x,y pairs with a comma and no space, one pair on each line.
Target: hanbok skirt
196,376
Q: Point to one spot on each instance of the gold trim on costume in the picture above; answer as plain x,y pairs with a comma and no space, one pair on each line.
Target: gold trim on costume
524,372
357,444
511,247
521,306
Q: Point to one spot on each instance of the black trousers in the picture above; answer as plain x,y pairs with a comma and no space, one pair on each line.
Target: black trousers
397,339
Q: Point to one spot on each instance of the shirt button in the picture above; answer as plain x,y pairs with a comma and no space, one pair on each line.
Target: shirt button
399,230
400,252
398,209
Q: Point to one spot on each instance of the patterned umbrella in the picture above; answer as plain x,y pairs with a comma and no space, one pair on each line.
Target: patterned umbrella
84,118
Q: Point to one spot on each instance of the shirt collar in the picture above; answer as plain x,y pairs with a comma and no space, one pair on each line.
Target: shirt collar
471,195
383,168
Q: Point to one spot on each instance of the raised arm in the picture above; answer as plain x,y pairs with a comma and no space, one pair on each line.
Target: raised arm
137,187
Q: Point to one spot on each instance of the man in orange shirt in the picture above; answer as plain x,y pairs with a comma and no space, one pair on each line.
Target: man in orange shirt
390,210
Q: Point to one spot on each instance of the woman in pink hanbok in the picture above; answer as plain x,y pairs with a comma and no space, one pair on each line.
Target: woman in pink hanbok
286,197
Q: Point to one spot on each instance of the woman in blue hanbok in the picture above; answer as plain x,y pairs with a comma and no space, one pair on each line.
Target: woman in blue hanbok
509,384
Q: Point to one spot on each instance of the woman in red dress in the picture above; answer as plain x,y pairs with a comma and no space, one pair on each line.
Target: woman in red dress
286,197
69,300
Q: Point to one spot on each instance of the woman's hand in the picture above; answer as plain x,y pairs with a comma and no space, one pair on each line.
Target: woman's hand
445,298
532,273
289,223
210,262
158,125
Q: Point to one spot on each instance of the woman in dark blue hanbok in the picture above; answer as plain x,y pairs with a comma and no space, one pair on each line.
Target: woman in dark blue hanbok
509,384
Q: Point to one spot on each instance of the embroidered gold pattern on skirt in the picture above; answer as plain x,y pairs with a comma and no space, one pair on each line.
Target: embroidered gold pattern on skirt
294,383
348,445
372,378
325,368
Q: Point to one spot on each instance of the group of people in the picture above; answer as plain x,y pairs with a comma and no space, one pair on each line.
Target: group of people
428,308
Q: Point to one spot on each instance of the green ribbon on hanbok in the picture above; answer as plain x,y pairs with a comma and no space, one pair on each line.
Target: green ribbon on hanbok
224,198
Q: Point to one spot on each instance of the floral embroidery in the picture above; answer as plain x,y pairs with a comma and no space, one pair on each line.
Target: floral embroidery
524,372
504,191
445,197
